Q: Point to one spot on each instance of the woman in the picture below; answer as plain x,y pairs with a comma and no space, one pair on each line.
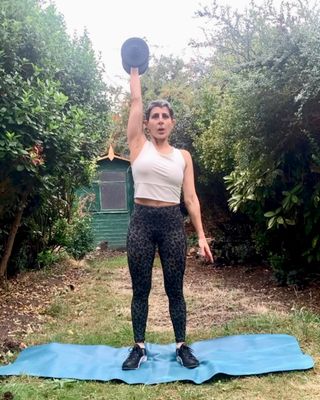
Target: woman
159,172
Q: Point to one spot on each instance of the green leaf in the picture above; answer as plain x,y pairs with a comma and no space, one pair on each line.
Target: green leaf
315,241
295,199
269,214
271,222
280,220
290,221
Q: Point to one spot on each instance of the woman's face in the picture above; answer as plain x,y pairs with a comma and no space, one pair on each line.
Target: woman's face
160,123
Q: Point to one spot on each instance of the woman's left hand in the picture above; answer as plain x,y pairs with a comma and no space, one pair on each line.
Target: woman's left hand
204,250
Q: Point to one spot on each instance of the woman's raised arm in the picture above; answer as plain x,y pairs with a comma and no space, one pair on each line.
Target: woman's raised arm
135,134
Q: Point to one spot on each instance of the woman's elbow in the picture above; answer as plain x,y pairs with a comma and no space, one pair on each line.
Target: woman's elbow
191,201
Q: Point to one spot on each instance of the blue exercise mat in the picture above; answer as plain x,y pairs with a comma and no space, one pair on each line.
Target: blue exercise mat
231,355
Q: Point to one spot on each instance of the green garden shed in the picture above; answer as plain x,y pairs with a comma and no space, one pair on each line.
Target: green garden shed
111,200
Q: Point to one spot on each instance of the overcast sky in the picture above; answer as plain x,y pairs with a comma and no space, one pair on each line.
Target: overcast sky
167,25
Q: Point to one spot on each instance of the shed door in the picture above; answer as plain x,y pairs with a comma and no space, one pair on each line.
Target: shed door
113,190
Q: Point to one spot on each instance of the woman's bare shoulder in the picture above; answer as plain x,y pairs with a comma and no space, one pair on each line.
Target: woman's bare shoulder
186,155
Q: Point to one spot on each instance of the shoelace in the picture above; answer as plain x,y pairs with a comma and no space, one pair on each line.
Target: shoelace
187,350
135,351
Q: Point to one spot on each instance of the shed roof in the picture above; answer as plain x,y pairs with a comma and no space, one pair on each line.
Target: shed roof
112,155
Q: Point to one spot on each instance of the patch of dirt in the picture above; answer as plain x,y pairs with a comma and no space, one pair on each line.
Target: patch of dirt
214,295
24,301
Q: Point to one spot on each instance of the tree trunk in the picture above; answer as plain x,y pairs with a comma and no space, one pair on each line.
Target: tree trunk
11,238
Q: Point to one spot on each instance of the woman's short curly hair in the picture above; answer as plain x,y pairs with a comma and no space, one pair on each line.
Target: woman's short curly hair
158,103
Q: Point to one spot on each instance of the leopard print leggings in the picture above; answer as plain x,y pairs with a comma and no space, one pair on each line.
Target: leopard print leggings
161,227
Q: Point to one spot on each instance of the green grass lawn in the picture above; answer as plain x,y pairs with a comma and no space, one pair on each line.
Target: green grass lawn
97,312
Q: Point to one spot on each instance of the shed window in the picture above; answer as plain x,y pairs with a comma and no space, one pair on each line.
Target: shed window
113,191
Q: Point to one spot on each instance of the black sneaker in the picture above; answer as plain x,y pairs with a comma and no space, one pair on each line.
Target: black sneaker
185,357
137,356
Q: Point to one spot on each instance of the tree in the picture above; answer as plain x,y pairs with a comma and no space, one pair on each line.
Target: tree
54,118
263,130
174,80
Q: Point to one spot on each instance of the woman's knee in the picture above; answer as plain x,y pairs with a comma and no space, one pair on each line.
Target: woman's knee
175,294
141,293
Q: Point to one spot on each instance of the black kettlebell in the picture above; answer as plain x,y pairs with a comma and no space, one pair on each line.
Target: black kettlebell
135,53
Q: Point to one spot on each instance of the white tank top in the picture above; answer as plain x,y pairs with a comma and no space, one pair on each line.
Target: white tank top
158,176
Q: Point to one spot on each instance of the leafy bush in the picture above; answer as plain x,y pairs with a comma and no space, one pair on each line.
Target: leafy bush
75,235
54,116
80,237
46,258
263,133
233,244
